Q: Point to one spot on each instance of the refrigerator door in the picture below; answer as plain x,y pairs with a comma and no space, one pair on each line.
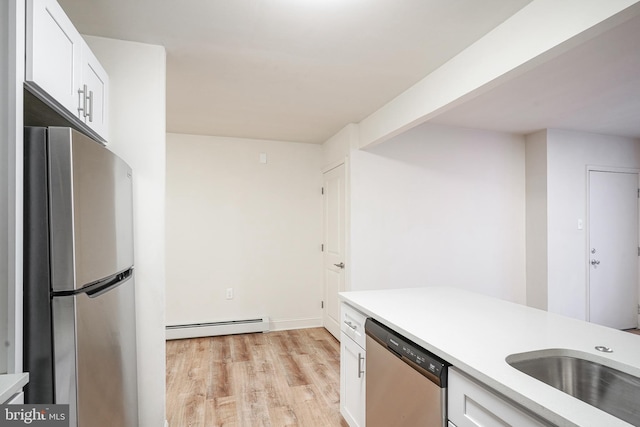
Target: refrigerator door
90,212
37,326
95,356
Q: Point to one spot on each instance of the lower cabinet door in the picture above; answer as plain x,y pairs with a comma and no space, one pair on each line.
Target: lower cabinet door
471,404
352,382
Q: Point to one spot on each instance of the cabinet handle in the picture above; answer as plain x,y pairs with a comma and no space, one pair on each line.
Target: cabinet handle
360,360
351,325
82,101
90,99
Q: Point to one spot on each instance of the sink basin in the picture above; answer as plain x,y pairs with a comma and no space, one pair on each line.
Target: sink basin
609,389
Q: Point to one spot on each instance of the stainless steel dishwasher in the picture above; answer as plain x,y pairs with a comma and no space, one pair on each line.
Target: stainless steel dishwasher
406,384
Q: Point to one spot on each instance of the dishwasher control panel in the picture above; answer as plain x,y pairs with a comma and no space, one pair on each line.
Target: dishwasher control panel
422,360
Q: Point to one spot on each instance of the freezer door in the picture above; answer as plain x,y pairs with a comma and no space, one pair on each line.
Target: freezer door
90,210
95,357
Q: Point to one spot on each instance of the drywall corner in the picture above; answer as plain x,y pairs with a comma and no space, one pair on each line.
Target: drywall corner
536,219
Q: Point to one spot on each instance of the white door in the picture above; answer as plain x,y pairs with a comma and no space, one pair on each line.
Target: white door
334,246
613,249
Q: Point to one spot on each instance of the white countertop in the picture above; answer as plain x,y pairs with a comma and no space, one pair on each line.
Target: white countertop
10,384
476,333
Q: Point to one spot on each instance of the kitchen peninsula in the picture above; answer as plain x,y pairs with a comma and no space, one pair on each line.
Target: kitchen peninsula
476,333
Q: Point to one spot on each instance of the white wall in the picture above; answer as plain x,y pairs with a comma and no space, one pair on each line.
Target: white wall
569,153
233,222
337,148
137,134
440,206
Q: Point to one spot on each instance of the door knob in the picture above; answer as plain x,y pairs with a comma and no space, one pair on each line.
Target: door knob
341,265
595,262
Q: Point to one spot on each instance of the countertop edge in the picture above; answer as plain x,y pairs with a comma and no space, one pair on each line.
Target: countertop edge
528,403
11,384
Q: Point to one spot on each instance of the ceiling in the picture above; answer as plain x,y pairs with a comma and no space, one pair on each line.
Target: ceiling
292,70
594,87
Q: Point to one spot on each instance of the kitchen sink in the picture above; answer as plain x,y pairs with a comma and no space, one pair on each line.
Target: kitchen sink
608,389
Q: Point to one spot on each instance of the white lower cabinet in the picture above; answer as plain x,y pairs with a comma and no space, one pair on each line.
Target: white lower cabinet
352,381
471,404
352,366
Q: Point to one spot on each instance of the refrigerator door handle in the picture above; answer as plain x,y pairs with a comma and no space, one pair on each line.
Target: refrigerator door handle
100,287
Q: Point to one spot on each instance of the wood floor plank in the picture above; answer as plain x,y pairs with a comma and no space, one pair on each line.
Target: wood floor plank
293,371
220,347
309,406
283,378
283,416
221,412
189,383
326,378
239,348
220,384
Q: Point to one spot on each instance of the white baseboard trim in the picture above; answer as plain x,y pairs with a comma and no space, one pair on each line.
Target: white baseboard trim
287,324
195,330
173,333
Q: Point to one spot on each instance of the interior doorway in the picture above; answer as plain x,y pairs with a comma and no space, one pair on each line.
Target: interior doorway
613,248
334,200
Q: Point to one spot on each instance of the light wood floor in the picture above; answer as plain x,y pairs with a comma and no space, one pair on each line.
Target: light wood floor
285,378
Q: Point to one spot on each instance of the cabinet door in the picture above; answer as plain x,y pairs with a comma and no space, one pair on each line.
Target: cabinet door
53,53
95,91
352,324
352,382
473,405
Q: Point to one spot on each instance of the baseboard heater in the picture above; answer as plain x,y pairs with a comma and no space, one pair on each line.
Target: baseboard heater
195,330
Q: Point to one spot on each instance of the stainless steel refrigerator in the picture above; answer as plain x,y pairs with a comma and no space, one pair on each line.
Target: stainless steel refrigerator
79,302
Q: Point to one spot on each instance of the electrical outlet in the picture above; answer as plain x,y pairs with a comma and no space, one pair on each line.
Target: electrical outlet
229,293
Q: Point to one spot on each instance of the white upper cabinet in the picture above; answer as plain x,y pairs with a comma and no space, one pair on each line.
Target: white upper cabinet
93,108
61,69
54,48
